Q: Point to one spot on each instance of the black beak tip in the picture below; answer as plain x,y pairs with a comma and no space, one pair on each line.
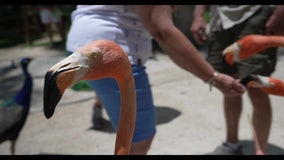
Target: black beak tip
48,113
248,78
52,94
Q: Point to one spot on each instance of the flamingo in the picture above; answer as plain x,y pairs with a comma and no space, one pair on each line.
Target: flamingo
98,59
269,85
245,48
250,45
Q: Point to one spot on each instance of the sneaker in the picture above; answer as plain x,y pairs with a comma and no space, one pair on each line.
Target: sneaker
224,149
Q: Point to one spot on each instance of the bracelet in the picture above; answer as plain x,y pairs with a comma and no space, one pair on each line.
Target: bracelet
212,80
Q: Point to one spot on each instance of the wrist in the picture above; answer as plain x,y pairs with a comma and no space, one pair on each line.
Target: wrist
212,79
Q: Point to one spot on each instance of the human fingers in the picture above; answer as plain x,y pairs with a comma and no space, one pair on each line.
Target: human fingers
228,85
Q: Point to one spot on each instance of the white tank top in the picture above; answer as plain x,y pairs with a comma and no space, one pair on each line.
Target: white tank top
113,22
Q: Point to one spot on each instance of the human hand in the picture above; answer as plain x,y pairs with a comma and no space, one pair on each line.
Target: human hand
228,85
198,29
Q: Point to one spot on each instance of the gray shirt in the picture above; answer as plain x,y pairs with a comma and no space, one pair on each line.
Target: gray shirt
226,16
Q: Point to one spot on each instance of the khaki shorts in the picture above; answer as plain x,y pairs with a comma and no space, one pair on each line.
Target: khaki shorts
262,63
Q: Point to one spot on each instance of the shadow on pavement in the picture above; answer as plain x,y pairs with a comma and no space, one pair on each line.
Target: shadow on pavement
164,114
248,148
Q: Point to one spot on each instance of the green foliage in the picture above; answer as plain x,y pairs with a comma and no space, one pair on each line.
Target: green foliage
82,85
207,16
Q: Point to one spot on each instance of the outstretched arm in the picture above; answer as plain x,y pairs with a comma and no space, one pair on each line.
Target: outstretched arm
158,21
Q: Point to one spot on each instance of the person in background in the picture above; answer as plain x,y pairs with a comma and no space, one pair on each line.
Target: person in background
275,24
98,121
229,23
49,15
133,27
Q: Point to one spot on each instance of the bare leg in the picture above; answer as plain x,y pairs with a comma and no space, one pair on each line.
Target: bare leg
141,148
97,119
48,28
61,31
262,115
13,146
232,109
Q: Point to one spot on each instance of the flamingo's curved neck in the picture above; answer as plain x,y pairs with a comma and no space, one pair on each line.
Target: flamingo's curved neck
127,115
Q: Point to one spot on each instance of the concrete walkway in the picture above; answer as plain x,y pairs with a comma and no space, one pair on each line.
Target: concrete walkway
189,118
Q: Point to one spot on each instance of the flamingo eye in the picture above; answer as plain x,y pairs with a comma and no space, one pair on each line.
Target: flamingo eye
95,54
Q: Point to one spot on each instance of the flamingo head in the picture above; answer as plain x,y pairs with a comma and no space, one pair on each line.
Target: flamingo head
232,52
256,81
99,59
249,45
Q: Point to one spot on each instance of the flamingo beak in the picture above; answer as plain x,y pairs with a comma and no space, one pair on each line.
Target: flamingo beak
231,53
256,81
250,81
59,77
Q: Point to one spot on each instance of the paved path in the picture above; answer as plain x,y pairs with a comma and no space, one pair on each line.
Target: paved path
189,117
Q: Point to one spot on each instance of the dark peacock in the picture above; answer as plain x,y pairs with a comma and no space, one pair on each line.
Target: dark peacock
14,111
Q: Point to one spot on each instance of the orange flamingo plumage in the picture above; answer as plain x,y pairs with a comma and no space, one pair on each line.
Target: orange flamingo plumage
250,45
269,85
99,59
